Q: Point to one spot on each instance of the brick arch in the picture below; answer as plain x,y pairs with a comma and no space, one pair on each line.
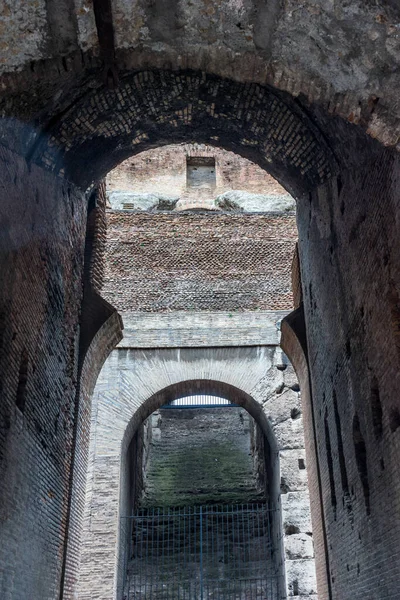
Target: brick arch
154,107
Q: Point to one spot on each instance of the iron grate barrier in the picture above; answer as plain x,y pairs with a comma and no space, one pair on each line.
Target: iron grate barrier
202,553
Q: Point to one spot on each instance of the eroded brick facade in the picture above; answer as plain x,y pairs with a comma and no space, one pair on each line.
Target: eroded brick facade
42,249
192,262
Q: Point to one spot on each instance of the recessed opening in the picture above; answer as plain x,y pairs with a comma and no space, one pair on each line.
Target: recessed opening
342,459
200,172
22,382
330,464
295,587
376,409
200,493
361,459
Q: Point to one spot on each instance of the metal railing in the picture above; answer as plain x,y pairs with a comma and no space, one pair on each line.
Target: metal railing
202,553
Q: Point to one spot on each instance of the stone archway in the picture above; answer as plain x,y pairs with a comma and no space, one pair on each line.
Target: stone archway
153,108
123,400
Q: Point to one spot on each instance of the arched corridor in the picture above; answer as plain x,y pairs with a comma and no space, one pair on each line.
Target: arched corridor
308,92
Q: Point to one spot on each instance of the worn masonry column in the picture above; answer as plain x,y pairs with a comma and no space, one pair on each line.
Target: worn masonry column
294,343
349,232
42,234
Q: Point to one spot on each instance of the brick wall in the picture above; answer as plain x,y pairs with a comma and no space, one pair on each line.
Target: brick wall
42,235
103,343
349,251
190,262
93,137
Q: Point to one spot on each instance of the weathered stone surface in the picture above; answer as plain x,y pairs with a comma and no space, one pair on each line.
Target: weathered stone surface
295,512
201,329
284,403
343,58
42,235
201,456
247,202
299,546
120,200
330,53
301,575
293,466
240,185
355,391
128,380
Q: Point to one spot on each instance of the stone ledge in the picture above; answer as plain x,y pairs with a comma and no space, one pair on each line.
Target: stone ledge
198,329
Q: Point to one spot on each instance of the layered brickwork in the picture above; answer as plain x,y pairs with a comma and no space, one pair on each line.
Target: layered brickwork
103,343
350,271
43,222
164,170
152,107
294,343
192,262
349,248
96,238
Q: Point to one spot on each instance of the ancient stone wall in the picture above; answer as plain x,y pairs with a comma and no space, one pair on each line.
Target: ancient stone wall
201,456
349,256
201,329
102,344
122,397
42,234
164,170
192,262
47,46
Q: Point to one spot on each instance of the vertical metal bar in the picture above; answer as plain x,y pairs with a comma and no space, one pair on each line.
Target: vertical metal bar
201,553
150,553
259,545
249,540
228,535
245,546
178,528
184,555
137,552
158,548
268,549
238,544
190,550
241,516
167,570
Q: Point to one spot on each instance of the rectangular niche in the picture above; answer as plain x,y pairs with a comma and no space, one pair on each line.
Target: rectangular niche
200,172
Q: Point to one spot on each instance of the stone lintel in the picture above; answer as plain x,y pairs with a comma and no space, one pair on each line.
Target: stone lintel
201,329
